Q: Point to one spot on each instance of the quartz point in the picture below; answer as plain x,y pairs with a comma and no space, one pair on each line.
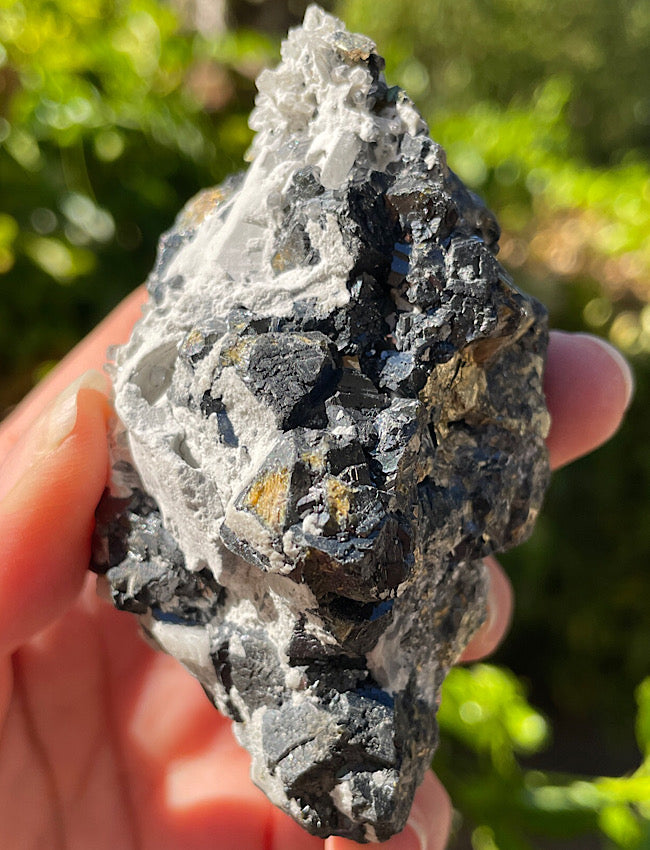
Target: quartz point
329,413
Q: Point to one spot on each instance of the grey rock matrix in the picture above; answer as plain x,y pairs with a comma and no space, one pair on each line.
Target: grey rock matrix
330,412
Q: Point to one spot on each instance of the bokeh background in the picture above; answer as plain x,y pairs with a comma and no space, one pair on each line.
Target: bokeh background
114,112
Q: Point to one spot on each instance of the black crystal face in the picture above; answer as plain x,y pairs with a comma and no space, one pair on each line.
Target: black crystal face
302,496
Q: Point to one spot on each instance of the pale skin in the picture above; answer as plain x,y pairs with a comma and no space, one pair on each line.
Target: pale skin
106,744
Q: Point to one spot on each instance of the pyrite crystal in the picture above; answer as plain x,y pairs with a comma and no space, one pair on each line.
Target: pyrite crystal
330,412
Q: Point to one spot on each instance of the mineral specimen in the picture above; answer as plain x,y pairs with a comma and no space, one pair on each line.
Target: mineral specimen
330,412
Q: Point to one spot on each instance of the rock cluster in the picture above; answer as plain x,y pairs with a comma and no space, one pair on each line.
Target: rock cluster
330,412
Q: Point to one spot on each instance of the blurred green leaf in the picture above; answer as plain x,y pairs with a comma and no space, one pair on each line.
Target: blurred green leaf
485,707
643,719
620,824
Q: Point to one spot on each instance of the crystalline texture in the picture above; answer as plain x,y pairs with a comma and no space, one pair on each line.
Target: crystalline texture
330,412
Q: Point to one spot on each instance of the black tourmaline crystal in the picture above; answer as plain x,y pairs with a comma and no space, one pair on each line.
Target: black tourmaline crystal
330,412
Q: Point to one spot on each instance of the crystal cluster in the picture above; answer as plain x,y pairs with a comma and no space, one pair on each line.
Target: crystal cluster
330,412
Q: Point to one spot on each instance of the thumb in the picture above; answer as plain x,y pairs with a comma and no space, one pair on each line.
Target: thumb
50,484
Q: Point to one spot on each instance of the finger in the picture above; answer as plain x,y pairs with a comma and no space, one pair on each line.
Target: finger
210,794
46,432
499,613
428,825
168,716
588,386
89,354
52,482
206,787
188,778
286,834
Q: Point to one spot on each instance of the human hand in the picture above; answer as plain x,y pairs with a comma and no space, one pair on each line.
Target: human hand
105,743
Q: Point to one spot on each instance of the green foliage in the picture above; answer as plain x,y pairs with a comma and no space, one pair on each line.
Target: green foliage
114,112
486,723
454,53
485,707
542,109
104,133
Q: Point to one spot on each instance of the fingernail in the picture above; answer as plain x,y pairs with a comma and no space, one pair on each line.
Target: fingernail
624,367
50,429
58,421
414,836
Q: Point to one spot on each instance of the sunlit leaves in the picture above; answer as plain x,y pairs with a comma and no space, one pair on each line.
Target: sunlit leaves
110,118
485,708
61,261
620,824
542,108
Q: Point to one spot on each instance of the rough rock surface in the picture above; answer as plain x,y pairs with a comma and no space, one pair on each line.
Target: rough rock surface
331,411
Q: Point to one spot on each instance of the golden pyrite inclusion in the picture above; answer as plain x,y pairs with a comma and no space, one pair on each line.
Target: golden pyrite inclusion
330,412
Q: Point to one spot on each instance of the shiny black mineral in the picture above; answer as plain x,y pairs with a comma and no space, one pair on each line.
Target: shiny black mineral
330,412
